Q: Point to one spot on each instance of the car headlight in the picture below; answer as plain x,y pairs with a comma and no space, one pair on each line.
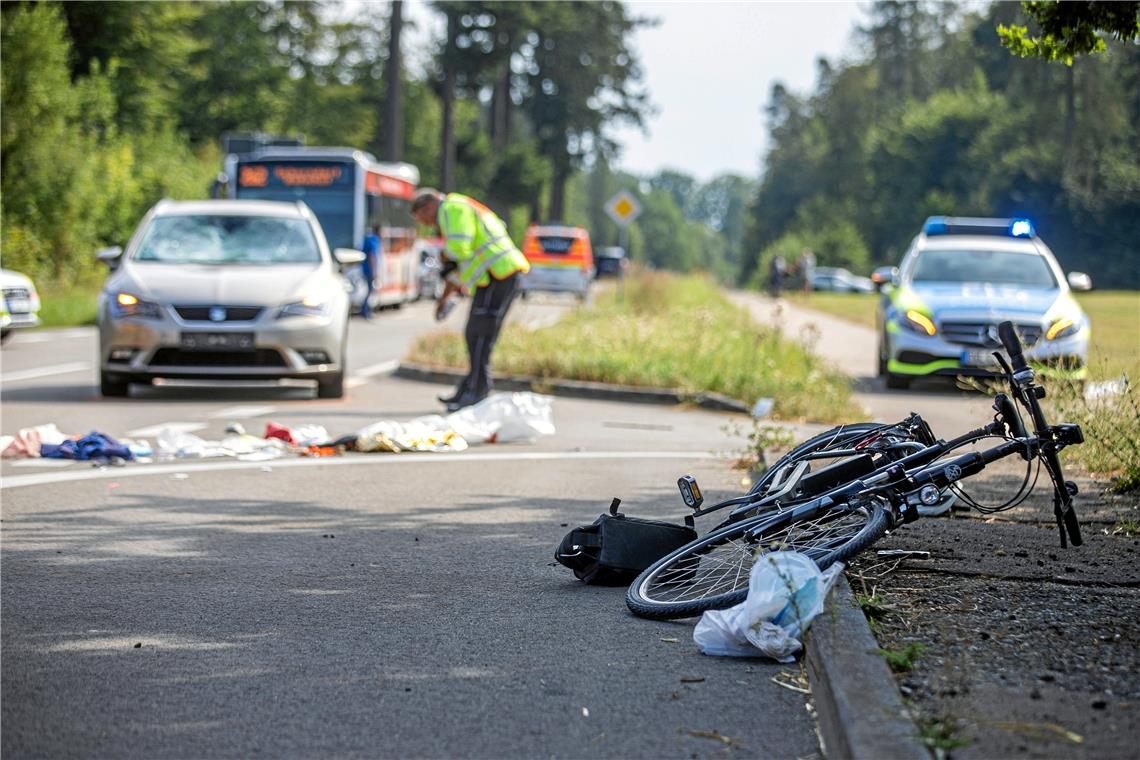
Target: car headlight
918,322
1062,328
128,305
309,306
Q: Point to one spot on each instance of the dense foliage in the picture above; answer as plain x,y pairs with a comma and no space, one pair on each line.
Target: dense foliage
937,118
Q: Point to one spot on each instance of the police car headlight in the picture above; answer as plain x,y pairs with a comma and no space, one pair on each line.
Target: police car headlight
309,306
1062,328
918,322
130,305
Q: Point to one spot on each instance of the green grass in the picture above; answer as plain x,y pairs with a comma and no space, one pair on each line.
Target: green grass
67,305
669,332
902,660
1115,317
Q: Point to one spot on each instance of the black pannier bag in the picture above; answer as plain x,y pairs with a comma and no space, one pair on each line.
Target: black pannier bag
614,549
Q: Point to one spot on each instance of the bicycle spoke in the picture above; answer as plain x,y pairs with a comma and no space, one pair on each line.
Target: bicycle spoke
724,567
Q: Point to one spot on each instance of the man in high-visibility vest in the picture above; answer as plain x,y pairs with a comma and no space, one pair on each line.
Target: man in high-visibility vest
480,260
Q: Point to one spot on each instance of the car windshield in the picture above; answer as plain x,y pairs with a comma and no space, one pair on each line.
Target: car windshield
228,239
996,267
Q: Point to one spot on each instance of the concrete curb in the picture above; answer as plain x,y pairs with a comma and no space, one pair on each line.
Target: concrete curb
579,389
861,714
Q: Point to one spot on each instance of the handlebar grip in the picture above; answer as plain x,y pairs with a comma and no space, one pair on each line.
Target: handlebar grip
1012,345
1073,528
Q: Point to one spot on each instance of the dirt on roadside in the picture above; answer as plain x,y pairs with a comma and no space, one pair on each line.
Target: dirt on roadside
1005,644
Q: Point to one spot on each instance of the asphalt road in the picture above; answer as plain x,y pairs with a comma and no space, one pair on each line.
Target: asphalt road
369,605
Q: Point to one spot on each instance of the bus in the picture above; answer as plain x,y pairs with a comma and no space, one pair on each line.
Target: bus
350,192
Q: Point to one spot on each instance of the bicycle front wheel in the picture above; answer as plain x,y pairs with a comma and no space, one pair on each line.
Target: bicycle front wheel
712,572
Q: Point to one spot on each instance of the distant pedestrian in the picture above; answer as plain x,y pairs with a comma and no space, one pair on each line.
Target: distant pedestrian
807,269
777,272
370,268
478,258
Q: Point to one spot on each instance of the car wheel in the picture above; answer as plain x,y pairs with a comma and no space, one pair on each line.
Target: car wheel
331,385
4,335
883,356
112,385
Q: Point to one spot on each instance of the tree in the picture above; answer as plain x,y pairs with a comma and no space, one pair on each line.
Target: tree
394,88
1070,29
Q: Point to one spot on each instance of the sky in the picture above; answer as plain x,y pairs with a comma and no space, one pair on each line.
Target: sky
709,67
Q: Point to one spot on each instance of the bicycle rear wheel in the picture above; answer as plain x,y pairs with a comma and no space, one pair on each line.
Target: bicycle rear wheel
712,572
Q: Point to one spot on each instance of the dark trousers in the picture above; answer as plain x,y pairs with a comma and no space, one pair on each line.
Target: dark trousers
488,310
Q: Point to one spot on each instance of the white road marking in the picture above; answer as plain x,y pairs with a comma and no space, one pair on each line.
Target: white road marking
50,336
153,430
192,468
41,462
362,376
54,369
246,412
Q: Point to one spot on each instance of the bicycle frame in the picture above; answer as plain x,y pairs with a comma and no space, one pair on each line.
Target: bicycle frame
904,480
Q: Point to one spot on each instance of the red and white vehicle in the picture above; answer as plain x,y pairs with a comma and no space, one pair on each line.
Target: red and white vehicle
350,192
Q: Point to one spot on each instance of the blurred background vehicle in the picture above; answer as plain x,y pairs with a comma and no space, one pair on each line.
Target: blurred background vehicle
350,192
561,260
610,261
961,276
21,304
225,289
838,280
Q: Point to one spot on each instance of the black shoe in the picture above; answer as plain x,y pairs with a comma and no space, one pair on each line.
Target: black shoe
453,397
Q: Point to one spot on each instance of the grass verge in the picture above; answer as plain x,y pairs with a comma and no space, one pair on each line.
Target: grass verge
1111,426
67,305
670,332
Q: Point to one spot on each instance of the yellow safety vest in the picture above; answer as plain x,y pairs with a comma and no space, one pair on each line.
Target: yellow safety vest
477,241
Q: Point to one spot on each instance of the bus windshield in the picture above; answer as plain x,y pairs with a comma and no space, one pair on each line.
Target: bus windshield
228,239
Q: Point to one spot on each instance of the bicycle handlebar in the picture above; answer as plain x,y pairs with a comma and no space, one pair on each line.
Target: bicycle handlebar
1012,344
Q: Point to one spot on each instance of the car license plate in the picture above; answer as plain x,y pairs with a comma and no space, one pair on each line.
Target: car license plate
980,358
19,305
207,341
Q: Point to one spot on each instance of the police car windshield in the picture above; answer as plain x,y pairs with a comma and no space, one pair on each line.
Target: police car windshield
1028,270
228,239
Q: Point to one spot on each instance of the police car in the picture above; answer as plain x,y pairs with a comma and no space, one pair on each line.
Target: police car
959,279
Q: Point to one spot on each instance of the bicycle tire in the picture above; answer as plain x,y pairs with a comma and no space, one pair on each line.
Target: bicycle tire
688,582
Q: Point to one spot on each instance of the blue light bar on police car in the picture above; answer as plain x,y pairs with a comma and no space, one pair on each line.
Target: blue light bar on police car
973,225
1021,228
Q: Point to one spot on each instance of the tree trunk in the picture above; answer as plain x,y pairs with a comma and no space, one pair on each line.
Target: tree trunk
501,109
447,132
1070,110
558,191
394,92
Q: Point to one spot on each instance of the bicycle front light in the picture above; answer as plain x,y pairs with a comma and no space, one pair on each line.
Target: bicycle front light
309,306
918,322
129,305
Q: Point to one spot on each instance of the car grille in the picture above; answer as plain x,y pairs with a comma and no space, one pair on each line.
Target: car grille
233,313
12,294
984,334
176,357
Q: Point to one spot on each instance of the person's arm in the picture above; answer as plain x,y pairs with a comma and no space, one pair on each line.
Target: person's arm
457,224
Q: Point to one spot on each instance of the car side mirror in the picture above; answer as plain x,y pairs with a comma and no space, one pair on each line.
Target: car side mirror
1079,281
348,256
884,276
110,256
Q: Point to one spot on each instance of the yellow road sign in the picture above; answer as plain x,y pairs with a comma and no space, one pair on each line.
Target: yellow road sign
623,208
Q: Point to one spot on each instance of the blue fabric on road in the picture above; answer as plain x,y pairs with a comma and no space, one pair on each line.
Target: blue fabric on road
94,445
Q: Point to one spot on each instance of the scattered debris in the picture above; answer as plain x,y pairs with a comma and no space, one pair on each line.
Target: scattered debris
903,553
715,736
692,679
670,640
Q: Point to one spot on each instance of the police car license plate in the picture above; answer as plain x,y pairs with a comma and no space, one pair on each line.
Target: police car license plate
19,305
980,358
206,341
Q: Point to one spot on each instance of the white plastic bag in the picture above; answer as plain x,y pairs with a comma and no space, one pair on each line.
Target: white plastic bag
505,417
785,592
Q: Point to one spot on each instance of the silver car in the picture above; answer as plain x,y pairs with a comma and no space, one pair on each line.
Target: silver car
226,289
